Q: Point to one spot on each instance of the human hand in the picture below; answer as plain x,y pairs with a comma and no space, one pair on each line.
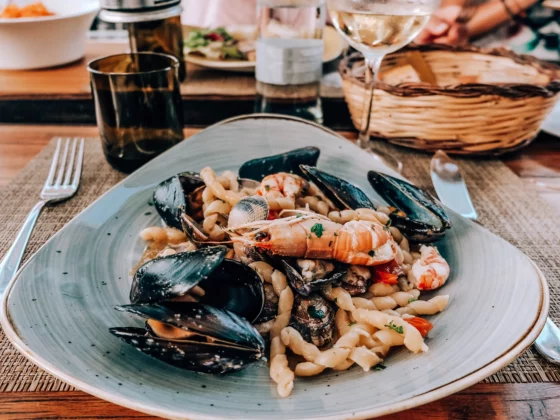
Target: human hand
443,28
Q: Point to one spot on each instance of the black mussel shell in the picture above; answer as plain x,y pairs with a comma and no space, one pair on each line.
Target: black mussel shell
343,194
170,197
313,317
169,277
235,287
354,282
306,287
225,341
227,284
270,309
289,162
425,219
193,230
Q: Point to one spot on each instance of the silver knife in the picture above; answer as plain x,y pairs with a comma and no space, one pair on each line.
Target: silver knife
450,186
452,191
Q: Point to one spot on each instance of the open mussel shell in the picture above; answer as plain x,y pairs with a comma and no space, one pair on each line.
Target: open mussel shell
313,317
289,162
342,193
424,219
193,229
227,284
171,196
216,341
304,286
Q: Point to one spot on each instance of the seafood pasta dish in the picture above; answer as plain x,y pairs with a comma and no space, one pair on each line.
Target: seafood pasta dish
286,264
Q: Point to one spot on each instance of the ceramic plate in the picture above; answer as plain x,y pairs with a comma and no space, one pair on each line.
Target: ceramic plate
552,123
59,307
333,48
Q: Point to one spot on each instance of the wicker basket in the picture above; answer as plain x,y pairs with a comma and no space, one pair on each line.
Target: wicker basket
462,118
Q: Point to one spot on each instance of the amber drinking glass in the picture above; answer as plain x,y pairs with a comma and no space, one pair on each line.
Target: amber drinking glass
137,105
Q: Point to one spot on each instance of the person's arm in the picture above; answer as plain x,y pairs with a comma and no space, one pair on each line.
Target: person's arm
494,13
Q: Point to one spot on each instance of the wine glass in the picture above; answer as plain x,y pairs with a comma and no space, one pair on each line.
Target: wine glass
376,28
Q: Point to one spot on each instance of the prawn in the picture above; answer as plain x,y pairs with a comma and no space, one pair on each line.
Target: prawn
314,236
430,271
282,189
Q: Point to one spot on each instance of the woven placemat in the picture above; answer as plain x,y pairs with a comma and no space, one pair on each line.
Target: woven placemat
505,206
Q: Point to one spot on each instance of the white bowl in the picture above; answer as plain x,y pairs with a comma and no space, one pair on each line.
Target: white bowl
31,43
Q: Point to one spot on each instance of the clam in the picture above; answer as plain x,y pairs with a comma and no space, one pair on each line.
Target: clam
289,162
418,214
343,194
194,336
308,275
313,317
203,275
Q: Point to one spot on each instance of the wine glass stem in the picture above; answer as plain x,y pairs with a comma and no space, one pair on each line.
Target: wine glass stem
372,67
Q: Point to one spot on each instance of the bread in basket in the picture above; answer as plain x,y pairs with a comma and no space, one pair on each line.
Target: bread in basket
482,101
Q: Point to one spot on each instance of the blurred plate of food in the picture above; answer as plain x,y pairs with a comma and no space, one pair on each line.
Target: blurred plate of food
233,48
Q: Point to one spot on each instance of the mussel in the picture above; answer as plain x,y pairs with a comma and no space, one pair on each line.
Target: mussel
356,280
289,162
343,194
419,216
313,317
226,284
172,197
308,275
194,336
178,201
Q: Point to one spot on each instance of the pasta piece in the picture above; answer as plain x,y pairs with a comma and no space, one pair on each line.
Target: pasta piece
412,338
363,303
340,297
308,369
347,364
383,289
332,357
365,358
425,307
293,339
282,375
384,302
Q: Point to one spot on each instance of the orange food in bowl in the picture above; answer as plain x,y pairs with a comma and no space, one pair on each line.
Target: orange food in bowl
31,10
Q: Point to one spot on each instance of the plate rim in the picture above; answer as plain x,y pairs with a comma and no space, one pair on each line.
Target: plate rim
523,343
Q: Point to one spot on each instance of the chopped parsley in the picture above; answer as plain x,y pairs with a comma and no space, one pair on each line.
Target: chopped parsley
388,224
352,323
379,366
317,229
299,215
393,327
371,253
315,313
412,300
335,234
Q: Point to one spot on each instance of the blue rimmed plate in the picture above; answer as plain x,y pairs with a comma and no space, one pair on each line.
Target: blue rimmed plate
499,301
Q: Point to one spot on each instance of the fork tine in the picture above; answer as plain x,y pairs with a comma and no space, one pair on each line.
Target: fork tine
60,172
78,171
70,166
52,170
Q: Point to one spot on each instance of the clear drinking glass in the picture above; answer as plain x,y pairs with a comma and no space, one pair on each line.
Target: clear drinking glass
138,106
290,57
376,28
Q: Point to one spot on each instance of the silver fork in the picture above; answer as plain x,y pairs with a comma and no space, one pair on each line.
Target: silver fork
61,184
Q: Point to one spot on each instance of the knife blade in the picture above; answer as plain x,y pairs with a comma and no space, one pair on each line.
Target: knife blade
450,185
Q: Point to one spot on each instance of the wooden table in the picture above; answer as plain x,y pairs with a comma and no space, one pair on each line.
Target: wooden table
62,95
538,164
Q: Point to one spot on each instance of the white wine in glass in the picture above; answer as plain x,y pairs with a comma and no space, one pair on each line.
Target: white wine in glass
376,28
